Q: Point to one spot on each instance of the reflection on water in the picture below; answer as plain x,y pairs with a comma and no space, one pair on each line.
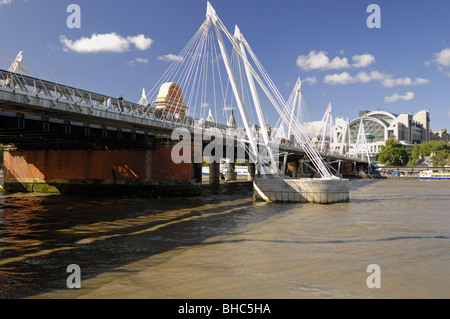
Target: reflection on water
227,246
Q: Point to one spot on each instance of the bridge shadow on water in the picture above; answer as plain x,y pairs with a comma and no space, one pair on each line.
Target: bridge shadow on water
42,235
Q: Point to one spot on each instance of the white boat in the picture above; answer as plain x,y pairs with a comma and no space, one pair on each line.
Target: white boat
240,170
434,175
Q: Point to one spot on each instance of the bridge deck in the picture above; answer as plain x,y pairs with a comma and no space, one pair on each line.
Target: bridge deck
35,99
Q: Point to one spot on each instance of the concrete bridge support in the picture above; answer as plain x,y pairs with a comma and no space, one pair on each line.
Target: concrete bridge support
143,172
214,174
301,190
251,171
295,167
197,172
303,168
231,174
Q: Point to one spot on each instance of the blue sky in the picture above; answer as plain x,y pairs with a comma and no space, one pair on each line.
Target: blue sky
404,66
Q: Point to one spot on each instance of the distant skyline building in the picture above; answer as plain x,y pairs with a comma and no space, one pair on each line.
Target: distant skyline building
441,135
379,126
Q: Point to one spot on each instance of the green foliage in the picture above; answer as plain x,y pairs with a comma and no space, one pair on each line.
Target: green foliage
440,158
411,163
241,162
428,148
393,153
439,149
415,152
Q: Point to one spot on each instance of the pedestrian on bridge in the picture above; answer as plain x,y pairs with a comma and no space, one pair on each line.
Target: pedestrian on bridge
9,82
108,103
121,104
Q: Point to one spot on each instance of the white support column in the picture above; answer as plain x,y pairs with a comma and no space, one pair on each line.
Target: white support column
343,135
327,122
276,100
298,88
211,14
362,135
297,96
332,132
238,36
349,136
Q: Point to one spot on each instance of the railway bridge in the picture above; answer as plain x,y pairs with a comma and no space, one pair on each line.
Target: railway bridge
63,139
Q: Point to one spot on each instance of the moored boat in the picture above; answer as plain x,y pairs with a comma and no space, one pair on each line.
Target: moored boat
434,175
240,170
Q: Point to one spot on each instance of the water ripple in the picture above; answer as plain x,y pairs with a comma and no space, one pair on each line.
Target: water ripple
323,241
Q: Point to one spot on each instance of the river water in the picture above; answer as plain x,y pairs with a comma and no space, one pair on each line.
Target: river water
225,246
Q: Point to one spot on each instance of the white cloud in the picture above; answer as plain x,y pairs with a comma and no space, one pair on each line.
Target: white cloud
108,42
362,77
363,60
320,61
310,80
141,42
140,60
170,58
346,78
378,76
136,61
442,58
338,63
5,1
395,97
334,79
405,81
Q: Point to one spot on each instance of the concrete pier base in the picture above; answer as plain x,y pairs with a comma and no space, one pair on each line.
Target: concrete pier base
214,174
231,174
301,190
251,171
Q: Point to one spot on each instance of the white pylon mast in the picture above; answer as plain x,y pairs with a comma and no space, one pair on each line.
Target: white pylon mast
276,99
312,153
238,36
349,131
17,64
343,135
362,135
328,122
143,101
211,16
297,90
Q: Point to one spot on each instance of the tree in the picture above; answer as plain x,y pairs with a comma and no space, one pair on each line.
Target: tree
411,163
428,148
416,152
439,150
393,153
440,158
